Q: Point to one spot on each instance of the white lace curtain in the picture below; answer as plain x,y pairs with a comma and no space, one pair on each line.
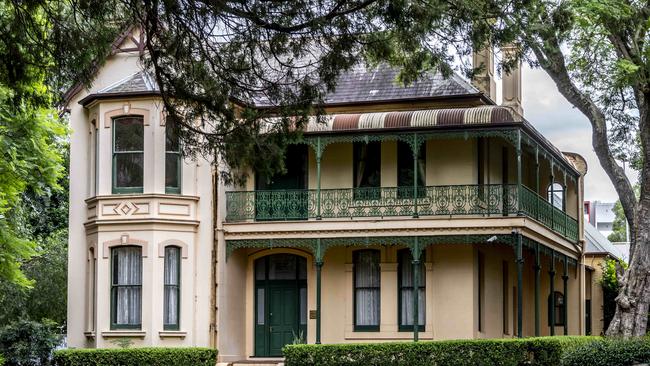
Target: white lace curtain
406,289
367,285
172,286
127,281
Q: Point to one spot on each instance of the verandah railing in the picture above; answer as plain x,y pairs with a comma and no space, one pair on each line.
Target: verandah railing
450,200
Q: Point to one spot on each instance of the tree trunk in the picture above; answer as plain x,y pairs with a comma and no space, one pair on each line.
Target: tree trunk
633,300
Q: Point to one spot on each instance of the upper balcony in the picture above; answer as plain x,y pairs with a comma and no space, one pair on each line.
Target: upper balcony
483,162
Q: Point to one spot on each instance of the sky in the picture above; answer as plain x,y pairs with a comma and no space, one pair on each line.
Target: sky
567,128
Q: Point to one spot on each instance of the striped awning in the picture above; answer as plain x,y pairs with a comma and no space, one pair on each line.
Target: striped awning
415,119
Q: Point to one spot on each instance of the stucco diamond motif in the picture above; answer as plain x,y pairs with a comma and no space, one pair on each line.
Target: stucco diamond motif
126,208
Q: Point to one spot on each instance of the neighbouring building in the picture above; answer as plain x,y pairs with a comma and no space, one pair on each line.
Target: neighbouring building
600,215
425,212
597,250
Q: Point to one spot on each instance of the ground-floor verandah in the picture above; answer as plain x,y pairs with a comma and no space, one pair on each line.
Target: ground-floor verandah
470,286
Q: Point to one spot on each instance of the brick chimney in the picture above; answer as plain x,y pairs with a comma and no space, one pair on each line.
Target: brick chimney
484,79
511,83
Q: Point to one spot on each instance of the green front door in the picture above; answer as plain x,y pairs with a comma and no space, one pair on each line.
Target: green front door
280,303
283,316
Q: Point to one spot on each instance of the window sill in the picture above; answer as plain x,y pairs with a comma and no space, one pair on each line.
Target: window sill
387,336
172,334
89,334
124,333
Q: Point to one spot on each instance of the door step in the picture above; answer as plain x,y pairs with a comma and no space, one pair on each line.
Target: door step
259,362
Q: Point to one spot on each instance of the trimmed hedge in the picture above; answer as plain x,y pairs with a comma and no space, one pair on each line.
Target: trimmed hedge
606,352
545,351
136,357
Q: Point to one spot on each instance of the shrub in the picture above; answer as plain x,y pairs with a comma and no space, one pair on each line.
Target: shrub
2,360
505,352
605,352
27,343
136,357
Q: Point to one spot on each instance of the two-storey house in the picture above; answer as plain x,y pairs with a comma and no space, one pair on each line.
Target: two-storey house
414,212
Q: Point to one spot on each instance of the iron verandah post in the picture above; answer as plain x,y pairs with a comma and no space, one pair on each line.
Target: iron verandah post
319,267
565,279
520,284
551,304
415,252
519,175
538,268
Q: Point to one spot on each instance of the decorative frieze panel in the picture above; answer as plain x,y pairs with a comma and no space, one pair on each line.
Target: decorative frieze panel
181,209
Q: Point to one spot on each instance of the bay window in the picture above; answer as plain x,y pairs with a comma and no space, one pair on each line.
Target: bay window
172,288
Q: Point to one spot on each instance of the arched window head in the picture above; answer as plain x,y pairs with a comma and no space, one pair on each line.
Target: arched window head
556,194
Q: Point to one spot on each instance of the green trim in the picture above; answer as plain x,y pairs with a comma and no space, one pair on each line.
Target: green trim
172,326
124,190
114,287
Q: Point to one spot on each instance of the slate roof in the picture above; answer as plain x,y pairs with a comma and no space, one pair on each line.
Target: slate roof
138,82
358,85
597,243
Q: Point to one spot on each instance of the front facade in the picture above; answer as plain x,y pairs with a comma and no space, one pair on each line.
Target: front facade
425,205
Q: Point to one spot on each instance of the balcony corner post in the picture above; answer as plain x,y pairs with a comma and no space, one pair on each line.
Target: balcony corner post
537,215
564,206
319,155
416,153
519,175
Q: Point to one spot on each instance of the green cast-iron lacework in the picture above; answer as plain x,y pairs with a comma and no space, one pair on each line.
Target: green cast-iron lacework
451,200
319,246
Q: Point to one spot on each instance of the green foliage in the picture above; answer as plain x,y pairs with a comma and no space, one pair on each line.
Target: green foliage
122,342
136,357
27,343
2,360
619,226
538,351
610,285
47,299
607,352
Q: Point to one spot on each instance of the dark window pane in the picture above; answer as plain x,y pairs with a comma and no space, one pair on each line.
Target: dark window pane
367,163
171,138
367,287
282,267
260,269
129,169
129,134
172,161
405,165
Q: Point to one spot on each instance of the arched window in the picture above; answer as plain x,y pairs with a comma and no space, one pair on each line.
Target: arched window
558,304
366,290
556,195
126,287
172,280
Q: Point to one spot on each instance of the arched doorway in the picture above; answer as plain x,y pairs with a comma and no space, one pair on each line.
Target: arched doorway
280,303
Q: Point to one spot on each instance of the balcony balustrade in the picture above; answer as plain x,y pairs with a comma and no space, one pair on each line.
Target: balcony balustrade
449,200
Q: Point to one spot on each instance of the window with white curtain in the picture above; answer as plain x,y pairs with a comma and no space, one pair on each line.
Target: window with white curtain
366,290
172,288
126,287
405,285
